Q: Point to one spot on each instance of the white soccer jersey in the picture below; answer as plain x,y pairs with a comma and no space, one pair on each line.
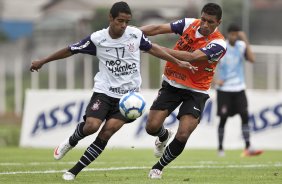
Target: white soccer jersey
119,60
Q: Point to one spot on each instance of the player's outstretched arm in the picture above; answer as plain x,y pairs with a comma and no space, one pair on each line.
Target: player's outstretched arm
197,55
249,54
151,30
37,64
160,53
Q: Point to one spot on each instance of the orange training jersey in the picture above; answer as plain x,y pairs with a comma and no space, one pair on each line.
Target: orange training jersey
212,45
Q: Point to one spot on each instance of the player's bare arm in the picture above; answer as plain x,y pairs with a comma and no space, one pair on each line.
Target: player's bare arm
249,54
151,30
37,64
160,53
197,55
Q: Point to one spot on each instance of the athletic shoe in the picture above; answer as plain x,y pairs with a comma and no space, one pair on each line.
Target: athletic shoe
221,153
155,174
251,152
68,176
160,146
62,149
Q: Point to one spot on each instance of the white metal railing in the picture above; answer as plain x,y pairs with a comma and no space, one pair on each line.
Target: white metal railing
270,56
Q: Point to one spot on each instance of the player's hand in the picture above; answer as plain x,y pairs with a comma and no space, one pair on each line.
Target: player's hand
185,64
36,65
242,36
219,82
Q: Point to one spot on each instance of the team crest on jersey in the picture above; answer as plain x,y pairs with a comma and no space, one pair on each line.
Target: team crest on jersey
130,47
96,105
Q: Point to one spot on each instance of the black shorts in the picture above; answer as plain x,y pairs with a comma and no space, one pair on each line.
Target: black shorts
104,107
231,103
169,98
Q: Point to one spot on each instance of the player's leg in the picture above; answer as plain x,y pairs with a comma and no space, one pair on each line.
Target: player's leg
96,148
243,111
163,105
189,115
187,125
91,126
95,113
223,108
220,133
114,121
155,127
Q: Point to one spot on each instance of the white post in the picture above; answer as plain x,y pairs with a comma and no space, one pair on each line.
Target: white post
34,80
271,72
280,71
145,70
246,16
249,74
52,75
2,88
88,74
18,85
70,73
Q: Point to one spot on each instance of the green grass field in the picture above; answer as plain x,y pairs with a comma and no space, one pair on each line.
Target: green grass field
18,165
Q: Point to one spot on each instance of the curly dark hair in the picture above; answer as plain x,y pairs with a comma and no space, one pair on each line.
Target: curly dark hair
212,9
120,7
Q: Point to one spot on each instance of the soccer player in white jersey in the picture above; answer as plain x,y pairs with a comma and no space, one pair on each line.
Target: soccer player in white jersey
118,50
231,97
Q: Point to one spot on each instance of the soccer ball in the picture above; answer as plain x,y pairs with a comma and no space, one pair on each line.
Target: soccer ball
132,105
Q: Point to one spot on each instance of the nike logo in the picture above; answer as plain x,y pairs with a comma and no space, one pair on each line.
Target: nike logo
56,151
107,50
196,108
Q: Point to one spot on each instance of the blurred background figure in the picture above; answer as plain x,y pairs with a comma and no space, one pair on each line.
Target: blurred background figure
231,96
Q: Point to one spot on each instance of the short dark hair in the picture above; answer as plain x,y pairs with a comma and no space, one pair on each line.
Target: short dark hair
212,9
120,7
233,28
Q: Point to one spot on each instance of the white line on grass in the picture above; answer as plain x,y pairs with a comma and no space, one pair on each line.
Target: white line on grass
138,168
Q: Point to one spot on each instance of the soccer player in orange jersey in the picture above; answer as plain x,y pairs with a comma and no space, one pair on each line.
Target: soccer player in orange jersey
201,44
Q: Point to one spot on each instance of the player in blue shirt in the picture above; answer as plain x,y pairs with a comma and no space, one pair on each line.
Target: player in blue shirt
231,97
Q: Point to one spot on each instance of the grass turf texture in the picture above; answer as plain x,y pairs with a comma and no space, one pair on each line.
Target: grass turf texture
18,165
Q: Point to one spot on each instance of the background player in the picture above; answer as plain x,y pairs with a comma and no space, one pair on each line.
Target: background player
231,97
202,44
118,50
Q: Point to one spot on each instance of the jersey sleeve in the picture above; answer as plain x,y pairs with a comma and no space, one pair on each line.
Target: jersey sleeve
85,46
180,25
145,43
215,50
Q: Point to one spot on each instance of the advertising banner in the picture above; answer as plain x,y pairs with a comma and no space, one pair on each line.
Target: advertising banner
50,116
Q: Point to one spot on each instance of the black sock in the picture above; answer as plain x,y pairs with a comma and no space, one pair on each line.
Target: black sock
163,134
91,153
220,132
220,138
171,152
245,129
77,135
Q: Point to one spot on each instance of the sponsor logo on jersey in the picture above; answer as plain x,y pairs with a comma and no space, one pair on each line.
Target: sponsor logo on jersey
177,22
102,41
73,47
133,35
120,90
208,69
119,69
